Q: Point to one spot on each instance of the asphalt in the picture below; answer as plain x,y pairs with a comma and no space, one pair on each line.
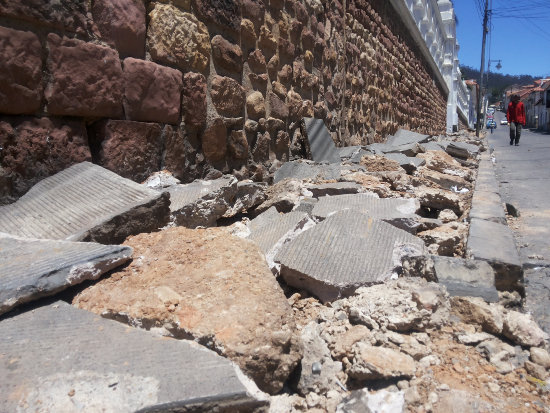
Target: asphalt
523,176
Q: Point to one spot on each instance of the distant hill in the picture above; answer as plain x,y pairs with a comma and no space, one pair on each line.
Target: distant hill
497,81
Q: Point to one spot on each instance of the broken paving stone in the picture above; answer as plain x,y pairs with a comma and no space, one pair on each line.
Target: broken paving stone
461,150
409,164
303,169
460,401
474,338
202,203
209,286
348,152
399,212
374,363
270,229
86,203
321,144
160,180
31,268
461,277
101,365
332,189
347,250
405,137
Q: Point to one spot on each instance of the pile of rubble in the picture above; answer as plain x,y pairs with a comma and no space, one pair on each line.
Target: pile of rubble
347,285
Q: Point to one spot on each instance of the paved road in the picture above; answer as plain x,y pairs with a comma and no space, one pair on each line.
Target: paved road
524,175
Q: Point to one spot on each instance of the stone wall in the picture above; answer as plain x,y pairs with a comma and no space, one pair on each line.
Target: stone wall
199,87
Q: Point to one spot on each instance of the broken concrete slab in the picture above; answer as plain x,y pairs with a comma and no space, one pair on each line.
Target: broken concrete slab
432,146
321,144
447,239
408,163
443,180
356,158
405,137
32,268
400,212
209,286
495,244
348,152
410,149
348,250
86,203
202,203
332,189
269,229
443,162
84,362
303,169
468,278
461,150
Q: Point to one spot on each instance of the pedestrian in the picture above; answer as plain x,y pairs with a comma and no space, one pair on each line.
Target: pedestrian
516,118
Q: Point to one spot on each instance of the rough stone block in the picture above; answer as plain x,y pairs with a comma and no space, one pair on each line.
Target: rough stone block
202,203
249,195
226,54
86,203
495,244
470,278
225,14
35,148
255,105
194,99
167,26
20,71
86,79
277,108
321,144
214,140
346,251
399,212
69,15
130,149
122,24
307,170
151,92
228,96
31,269
109,366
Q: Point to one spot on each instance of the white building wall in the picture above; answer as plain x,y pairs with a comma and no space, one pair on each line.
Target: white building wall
436,22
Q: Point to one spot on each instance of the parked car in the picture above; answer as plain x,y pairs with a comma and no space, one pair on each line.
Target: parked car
503,121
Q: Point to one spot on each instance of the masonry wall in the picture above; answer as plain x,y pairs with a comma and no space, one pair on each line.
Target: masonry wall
199,87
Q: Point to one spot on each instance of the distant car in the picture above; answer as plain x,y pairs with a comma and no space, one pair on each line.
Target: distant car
490,110
491,124
504,122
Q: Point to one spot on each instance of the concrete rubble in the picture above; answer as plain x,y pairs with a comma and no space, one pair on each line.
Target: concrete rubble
356,281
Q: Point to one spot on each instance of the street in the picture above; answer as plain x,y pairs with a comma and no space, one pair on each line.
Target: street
524,176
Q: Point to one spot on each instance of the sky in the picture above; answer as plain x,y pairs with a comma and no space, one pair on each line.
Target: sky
519,35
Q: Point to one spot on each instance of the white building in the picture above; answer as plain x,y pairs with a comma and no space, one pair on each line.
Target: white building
436,23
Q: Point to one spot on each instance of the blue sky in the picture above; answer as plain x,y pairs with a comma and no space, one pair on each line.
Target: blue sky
520,35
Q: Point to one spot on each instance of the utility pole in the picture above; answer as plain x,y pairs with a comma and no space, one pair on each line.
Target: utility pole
480,96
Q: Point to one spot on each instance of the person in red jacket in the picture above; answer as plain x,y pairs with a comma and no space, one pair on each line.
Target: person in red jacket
516,118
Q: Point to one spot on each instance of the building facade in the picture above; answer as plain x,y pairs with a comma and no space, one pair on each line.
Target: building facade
436,22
